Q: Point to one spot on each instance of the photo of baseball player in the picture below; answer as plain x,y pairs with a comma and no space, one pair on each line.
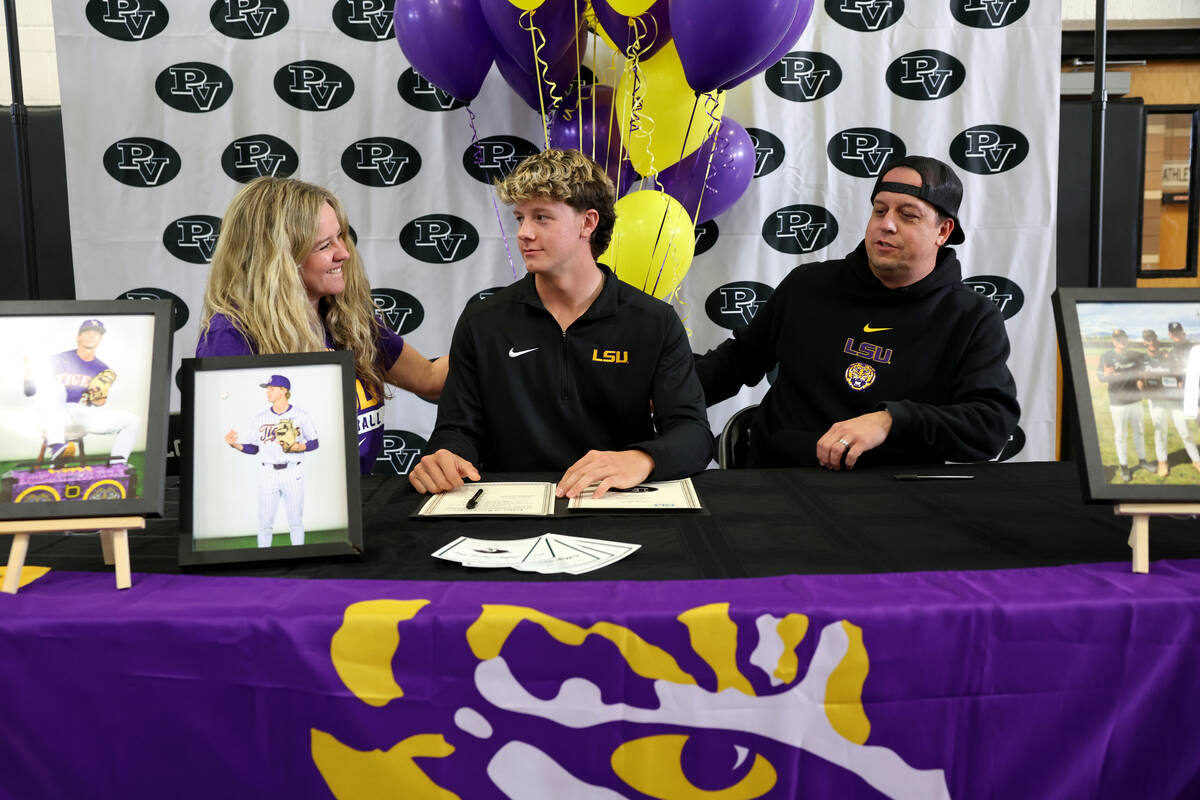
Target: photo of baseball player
1163,386
73,389
280,436
1122,369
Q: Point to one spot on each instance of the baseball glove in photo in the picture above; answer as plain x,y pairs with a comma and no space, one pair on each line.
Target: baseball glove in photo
286,434
96,393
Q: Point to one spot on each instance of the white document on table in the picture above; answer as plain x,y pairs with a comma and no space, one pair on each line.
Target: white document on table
495,498
659,496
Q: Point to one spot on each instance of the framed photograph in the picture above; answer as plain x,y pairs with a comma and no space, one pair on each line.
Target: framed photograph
84,407
1133,366
269,466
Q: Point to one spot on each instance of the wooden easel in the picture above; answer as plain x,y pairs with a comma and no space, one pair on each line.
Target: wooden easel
1139,535
114,542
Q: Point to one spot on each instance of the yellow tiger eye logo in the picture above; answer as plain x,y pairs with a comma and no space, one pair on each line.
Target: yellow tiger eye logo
860,375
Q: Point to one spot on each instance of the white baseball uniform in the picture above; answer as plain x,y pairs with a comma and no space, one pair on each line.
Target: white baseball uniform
281,474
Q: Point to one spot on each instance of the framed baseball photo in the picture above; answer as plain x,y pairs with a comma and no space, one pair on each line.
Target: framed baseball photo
269,467
1132,363
84,407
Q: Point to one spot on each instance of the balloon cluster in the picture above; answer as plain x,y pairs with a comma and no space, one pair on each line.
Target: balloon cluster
660,132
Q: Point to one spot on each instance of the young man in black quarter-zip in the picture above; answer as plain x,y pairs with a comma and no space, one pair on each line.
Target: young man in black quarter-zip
885,354
568,369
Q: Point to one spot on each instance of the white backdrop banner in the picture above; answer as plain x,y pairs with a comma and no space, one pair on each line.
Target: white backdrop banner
168,107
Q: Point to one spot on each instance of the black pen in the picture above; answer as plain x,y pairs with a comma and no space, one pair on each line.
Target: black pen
474,501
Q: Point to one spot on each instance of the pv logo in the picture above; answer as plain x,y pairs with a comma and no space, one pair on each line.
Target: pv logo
925,75
733,305
706,236
314,85
865,15
804,76
400,452
1007,295
192,238
179,308
493,157
439,238
862,152
769,151
381,161
262,154
249,19
194,87
128,20
799,229
989,149
400,311
365,20
483,294
988,13
142,162
420,93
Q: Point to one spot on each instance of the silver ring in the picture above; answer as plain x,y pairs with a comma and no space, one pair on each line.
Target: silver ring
843,443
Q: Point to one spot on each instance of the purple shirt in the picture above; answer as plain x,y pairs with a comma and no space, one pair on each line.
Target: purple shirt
223,339
74,373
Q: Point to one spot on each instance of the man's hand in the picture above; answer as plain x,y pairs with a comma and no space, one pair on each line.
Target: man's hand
612,469
231,439
845,441
441,471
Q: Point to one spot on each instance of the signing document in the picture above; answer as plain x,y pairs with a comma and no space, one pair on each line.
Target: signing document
661,496
493,499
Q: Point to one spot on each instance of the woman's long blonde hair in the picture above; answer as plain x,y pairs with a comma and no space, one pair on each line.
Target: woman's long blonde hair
268,229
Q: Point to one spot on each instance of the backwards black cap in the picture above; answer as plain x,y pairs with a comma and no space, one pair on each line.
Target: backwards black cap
940,187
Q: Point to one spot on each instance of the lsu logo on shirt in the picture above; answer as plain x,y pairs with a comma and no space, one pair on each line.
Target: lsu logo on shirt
611,356
859,376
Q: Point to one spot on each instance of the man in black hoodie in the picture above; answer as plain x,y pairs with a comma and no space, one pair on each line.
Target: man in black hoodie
884,352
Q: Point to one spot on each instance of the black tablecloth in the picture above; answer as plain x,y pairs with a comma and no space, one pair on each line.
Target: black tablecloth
759,523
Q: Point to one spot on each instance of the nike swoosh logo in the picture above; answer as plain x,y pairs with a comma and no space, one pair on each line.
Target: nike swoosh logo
514,353
868,329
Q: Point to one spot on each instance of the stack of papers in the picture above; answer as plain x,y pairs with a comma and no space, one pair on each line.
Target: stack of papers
547,554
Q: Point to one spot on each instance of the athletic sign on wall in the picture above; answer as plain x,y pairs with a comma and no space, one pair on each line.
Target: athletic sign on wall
169,108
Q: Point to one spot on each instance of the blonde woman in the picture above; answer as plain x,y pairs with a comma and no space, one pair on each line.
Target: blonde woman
286,278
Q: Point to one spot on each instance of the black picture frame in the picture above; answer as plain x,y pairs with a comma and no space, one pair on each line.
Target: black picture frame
47,386
219,486
1150,379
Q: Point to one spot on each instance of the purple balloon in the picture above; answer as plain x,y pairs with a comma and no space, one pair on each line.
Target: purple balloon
561,73
556,19
803,14
729,176
447,43
653,24
600,141
718,41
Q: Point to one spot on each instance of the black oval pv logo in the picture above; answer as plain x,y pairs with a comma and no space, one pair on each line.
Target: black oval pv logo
400,311
381,161
249,19
735,304
178,307
799,229
769,151
138,161
420,93
314,85
988,13
128,20
865,15
925,75
803,76
192,238
400,453
707,234
365,20
493,157
862,152
1014,445
481,295
262,154
1006,294
194,86
989,149
439,238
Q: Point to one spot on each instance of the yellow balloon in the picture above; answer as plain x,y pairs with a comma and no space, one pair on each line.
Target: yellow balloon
630,8
671,122
527,5
652,243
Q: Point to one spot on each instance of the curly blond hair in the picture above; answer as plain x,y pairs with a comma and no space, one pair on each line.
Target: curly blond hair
269,228
567,176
